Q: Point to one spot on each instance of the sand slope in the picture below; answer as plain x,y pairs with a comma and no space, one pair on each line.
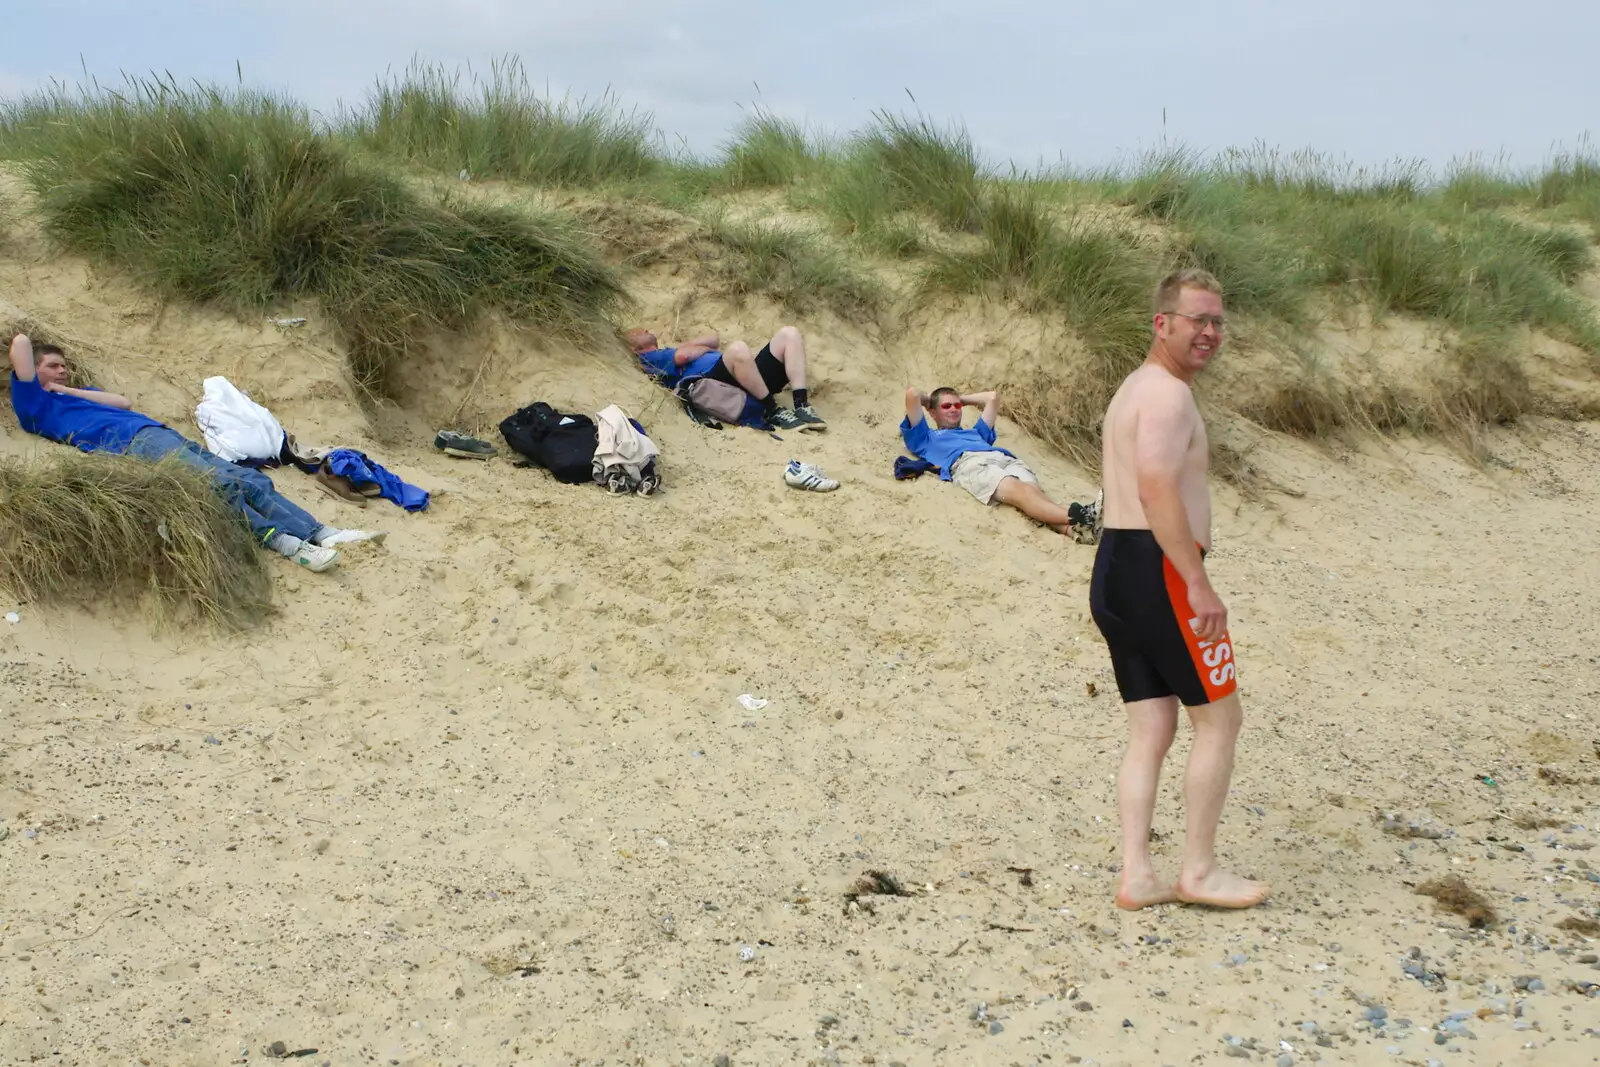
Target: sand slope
486,795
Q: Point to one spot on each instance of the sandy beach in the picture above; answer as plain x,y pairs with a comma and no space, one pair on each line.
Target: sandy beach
487,795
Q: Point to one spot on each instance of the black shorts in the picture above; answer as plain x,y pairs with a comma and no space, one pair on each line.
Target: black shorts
1141,605
770,366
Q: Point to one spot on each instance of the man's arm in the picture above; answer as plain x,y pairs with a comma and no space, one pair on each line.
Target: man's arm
916,403
22,357
989,402
1161,440
98,396
705,342
687,354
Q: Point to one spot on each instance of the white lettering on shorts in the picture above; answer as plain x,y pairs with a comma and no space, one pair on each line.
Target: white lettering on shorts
1218,655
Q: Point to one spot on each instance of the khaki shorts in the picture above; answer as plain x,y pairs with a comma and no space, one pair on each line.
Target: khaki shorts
980,473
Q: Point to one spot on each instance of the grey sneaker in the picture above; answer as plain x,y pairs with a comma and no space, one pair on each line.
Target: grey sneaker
784,419
1086,521
649,480
809,419
452,443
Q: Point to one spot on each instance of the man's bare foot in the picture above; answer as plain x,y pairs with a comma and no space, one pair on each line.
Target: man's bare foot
1142,892
1221,889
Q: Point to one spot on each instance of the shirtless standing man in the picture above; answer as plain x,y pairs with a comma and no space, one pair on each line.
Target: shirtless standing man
1165,626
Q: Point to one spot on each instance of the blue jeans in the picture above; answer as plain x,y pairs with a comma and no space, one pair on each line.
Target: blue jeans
249,490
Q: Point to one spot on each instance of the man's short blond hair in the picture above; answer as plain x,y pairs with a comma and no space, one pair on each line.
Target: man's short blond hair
1166,298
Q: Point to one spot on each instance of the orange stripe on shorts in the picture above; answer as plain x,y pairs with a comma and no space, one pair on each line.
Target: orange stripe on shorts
1213,660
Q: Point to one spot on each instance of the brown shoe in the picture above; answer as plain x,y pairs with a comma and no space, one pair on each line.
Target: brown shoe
339,488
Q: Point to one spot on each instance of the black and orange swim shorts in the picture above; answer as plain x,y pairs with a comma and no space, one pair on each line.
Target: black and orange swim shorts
1141,605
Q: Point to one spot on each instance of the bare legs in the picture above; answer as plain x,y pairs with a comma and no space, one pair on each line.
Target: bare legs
790,348
742,365
1031,501
1152,725
787,345
1205,790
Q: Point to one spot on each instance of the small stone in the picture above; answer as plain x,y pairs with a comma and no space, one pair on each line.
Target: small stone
1082,1005
1440,1037
1127,1024
721,1060
1525,981
1308,1027
994,1026
1285,1060
1335,947
1376,1014
1324,1040
1535,986
828,1022
1393,1050
277,1050
1238,959
747,954
1238,1053
1589,957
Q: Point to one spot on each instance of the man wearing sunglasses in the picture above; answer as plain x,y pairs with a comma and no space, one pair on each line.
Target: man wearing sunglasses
1166,628
971,459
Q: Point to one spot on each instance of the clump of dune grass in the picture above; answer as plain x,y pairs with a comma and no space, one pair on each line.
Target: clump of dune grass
903,164
1278,230
498,126
768,150
83,529
1092,275
793,268
233,198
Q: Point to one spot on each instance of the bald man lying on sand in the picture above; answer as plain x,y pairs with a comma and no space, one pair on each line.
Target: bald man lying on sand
780,365
96,421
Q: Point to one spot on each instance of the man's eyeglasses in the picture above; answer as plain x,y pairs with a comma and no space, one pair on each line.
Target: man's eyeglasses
948,406
1202,321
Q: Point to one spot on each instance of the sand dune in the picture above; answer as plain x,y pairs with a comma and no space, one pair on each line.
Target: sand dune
486,795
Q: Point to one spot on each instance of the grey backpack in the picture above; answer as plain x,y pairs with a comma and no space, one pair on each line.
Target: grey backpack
717,400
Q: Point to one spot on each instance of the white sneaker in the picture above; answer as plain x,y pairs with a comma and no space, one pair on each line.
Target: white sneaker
315,557
346,537
808,476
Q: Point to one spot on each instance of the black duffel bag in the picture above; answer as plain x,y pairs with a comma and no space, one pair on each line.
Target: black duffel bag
563,443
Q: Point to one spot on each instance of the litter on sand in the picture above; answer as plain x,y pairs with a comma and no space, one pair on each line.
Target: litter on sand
13,618
752,703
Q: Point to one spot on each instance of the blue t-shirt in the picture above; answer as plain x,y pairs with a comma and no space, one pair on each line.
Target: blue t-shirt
658,364
73,420
944,447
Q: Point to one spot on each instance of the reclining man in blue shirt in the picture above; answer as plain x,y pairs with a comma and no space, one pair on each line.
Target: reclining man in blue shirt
781,364
972,460
97,421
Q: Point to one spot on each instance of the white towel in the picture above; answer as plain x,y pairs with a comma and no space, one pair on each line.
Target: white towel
235,426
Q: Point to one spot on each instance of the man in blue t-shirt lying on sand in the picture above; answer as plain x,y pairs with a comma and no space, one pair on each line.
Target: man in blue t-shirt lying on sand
780,365
971,459
97,421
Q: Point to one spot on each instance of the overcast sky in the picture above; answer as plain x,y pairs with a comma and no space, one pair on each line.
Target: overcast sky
1033,80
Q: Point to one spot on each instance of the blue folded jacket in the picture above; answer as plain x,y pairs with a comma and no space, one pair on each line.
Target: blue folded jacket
907,467
348,463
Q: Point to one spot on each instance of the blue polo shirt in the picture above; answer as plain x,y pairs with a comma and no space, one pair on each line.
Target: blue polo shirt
658,364
944,447
73,420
